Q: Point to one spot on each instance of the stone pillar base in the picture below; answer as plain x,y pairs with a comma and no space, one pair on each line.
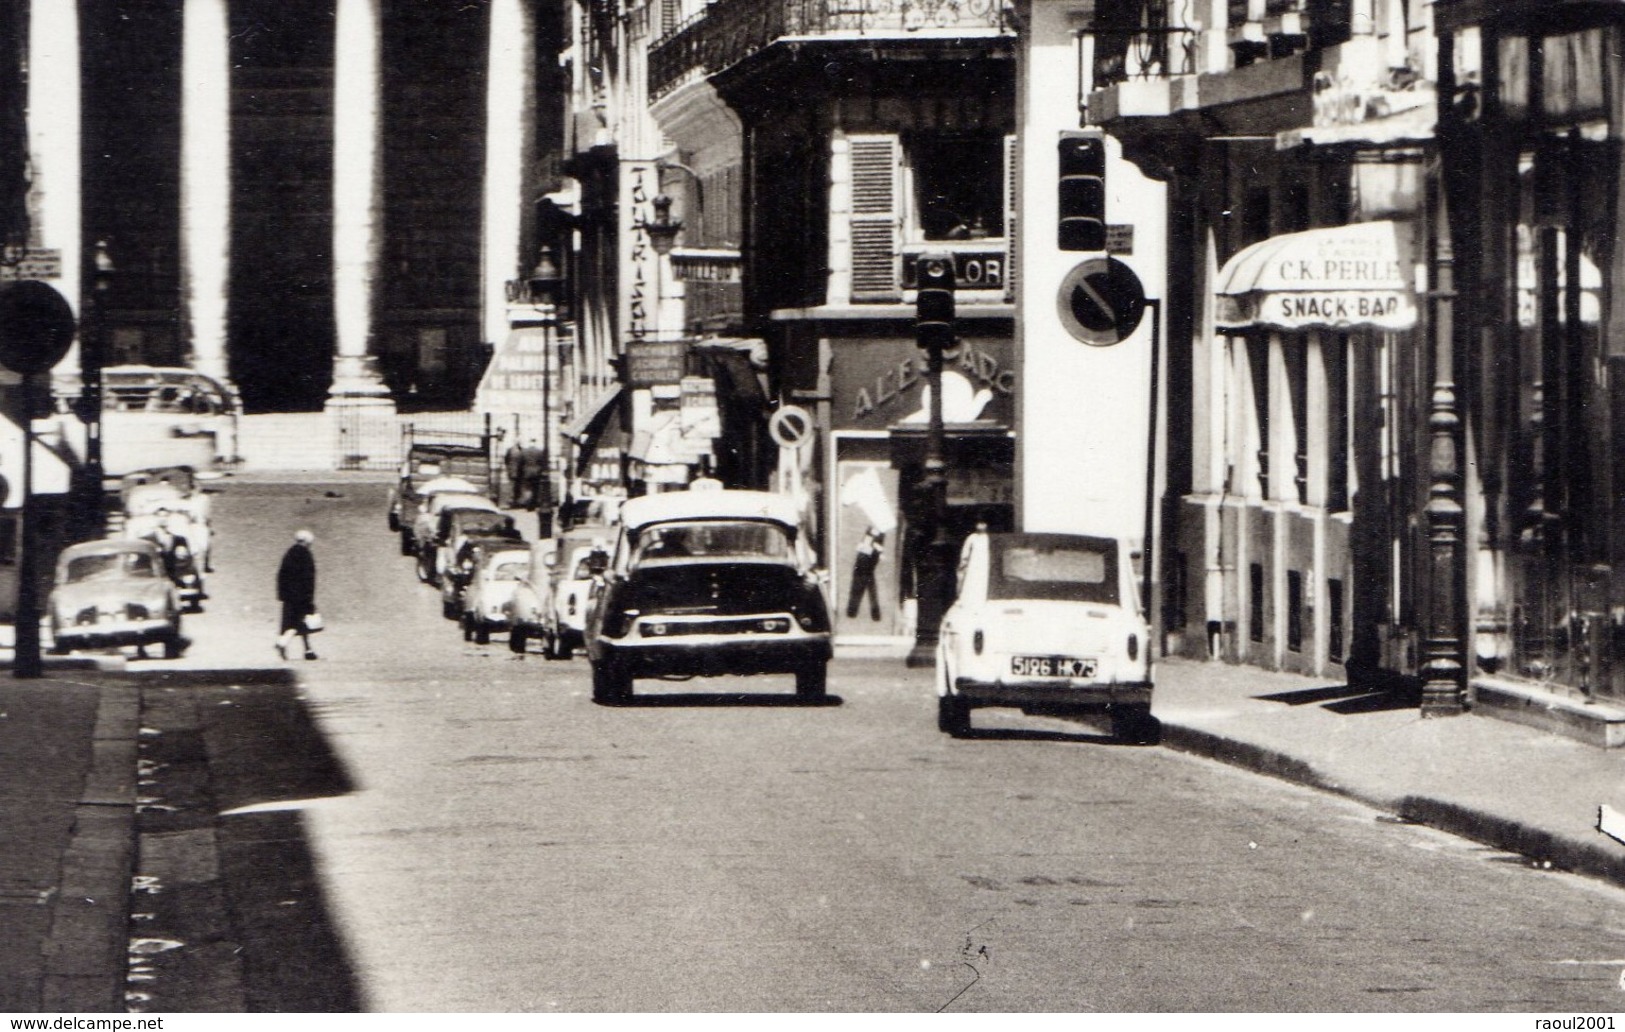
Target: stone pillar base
357,384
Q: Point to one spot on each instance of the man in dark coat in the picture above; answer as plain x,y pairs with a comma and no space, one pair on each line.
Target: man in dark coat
513,463
533,467
296,590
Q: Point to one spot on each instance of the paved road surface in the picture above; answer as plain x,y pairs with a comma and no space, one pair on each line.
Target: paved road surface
413,823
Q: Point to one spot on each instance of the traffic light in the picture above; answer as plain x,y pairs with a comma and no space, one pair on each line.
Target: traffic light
934,304
1082,189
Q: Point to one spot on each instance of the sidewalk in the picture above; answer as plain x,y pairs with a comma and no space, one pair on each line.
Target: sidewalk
68,794
67,837
1517,788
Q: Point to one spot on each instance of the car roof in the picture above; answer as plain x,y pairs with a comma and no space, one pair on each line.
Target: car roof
709,505
439,484
1052,540
108,546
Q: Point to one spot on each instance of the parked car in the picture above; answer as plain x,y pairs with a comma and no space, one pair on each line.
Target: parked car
456,524
408,511
1046,622
496,572
582,563
709,582
427,525
461,567
175,490
173,533
527,607
432,455
111,593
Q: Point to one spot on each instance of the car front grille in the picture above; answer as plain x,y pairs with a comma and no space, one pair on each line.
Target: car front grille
744,625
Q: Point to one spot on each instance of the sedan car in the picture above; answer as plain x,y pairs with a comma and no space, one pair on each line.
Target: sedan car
1046,623
497,571
417,519
457,525
112,593
704,583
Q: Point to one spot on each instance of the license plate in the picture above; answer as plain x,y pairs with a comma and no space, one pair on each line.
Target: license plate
1051,666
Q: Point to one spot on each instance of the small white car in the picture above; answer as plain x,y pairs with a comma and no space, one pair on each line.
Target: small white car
499,570
1047,623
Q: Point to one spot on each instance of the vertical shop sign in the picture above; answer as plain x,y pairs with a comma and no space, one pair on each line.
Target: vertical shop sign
639,184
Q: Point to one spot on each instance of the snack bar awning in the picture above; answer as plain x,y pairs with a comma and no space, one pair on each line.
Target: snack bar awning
1337,278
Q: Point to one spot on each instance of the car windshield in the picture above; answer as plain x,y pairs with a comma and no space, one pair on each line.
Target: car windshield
110,565
751,540
591,565
481,522
1073,571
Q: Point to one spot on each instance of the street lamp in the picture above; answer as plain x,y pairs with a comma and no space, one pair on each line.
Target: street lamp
542,288
934,333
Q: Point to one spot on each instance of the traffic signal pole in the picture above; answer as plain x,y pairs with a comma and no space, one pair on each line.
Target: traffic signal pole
934,333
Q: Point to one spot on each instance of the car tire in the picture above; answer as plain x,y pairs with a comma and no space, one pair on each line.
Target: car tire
811,680
609,683
1134,725
482,632
174,644
517,639
406,542
448,609
953,715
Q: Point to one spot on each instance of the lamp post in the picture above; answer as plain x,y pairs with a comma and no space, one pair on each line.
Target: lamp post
662,236
542,288
934,333
92,357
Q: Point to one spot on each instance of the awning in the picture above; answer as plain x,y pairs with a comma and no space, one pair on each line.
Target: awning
1410,127
590,422
1337,278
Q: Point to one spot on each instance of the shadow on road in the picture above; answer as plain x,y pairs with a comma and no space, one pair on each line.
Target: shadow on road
701,699
226,854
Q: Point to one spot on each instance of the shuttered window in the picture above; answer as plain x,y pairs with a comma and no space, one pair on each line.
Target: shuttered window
875,219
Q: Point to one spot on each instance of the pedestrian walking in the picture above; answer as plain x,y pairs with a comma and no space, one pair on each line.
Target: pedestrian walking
513,463
296,590
533,470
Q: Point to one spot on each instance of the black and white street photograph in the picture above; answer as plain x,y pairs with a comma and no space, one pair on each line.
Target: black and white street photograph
1106,508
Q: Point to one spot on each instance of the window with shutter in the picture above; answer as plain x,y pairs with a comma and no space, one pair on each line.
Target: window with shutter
874,218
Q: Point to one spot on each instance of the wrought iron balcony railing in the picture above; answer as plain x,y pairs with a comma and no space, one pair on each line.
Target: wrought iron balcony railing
728,31
1147,39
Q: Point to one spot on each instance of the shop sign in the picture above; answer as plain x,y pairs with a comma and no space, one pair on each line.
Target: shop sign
30,263
697,410
877,383
639,265
651,363
973,270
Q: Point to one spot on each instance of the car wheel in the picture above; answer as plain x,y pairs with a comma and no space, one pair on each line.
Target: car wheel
811,680
610,683
482,632
953,715
1134,725
448,609
516,639
406,542
174,644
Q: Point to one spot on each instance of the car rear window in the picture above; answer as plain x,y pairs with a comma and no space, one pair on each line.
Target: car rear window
712,539
1071,572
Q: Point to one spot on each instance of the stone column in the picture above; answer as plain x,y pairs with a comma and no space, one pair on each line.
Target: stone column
356,202
53,145
510,161
206,181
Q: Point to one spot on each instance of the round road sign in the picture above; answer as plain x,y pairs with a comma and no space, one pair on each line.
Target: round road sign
791,426
36,326
1101,302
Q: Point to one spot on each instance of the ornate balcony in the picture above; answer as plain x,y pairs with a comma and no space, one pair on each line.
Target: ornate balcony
1146,39
729,31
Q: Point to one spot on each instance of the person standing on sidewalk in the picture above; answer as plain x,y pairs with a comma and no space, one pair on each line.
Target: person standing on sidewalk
296,590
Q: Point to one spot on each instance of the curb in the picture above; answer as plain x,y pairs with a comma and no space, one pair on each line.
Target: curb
1542,848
